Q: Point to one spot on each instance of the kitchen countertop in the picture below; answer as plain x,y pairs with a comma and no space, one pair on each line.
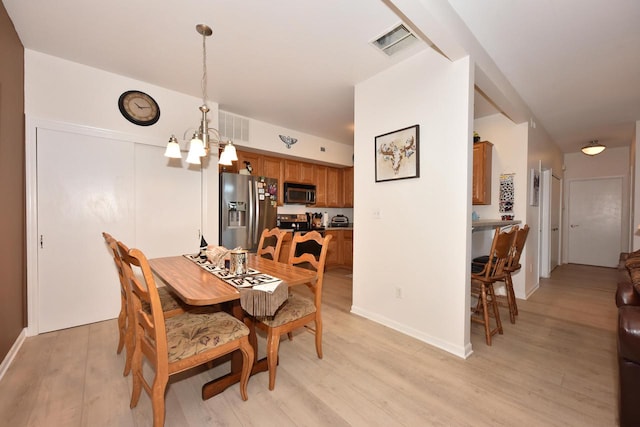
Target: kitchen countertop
349,228
491,223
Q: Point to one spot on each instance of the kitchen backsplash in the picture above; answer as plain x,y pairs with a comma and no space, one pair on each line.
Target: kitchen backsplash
298,209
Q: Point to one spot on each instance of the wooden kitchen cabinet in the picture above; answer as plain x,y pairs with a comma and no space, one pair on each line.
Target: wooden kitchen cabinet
272,168
340,252
481,189
320,180
347,248
254,158
300,172
334,187
347,187
334,253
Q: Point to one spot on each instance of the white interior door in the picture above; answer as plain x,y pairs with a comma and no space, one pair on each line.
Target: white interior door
168,204
556,197
85,187
89,184
595,221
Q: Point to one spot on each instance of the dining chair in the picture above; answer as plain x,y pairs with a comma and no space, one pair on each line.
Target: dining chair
271,243
482,282
176,344
513,266
298,311
171,305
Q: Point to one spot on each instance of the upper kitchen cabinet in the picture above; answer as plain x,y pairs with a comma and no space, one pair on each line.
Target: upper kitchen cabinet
272,168
254,159
320,180
481,191
300,172
334,188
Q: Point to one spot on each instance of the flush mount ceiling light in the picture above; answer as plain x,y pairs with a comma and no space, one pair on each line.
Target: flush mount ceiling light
203,136
593,148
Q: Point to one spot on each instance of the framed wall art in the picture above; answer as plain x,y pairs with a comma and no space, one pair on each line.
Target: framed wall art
534,190
397,154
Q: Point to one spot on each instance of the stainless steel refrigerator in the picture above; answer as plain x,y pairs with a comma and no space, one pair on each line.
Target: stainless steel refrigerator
248,205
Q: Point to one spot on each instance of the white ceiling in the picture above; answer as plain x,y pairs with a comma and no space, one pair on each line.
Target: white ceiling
575,63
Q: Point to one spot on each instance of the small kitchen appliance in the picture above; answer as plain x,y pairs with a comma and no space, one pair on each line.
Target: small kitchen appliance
339,221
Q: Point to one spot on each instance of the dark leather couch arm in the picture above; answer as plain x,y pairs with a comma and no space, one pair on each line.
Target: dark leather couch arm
629,365
629,333
626,295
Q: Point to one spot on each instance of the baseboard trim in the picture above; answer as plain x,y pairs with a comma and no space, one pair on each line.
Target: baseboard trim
6,362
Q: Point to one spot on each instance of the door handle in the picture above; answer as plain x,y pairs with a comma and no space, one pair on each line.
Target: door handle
575,225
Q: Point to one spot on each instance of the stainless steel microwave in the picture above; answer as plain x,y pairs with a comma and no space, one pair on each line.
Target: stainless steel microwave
301,194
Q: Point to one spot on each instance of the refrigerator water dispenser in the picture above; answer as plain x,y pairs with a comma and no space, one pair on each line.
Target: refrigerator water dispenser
237,214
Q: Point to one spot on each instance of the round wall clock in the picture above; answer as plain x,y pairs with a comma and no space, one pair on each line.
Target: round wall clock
139,108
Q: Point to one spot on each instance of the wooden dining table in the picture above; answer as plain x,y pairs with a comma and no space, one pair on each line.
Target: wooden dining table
199,287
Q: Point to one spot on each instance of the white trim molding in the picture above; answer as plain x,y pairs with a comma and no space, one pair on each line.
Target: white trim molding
6,362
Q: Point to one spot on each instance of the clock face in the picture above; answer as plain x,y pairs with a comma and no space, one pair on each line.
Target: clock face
139,108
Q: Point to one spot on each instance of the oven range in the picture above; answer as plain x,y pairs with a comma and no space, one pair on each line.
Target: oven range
298,223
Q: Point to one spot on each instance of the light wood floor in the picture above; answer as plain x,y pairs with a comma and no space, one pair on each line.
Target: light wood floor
555,367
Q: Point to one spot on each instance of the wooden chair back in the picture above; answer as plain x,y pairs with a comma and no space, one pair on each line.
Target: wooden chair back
494,269
150,332
516,250
113,246
271,243
123,322
310,251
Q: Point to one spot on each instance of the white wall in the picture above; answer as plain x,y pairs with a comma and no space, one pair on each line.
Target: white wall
612,162
421,243
68,92
510,143
265,137
542,154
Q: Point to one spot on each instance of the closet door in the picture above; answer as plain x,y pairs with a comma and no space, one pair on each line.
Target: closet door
168,197
85,186
90,184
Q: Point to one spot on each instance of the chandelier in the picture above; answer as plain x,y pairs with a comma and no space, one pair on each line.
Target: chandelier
203,137
593,148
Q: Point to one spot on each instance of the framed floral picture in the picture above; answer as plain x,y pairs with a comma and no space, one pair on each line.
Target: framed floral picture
397,154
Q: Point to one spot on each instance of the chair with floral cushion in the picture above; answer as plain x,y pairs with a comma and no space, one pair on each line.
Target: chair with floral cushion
309,251
178,343
271,243
482,282
171,305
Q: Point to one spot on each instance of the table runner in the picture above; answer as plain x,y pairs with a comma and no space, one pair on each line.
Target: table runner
260,294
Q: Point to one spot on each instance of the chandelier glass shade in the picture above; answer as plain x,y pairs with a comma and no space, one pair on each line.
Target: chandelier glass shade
204,136
593,148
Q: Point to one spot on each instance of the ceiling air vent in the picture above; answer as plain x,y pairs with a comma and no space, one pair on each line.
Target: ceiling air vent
395,40
233,127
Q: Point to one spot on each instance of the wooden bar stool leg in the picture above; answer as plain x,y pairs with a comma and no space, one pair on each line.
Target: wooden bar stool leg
485,314
494,304
513,295
511,298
